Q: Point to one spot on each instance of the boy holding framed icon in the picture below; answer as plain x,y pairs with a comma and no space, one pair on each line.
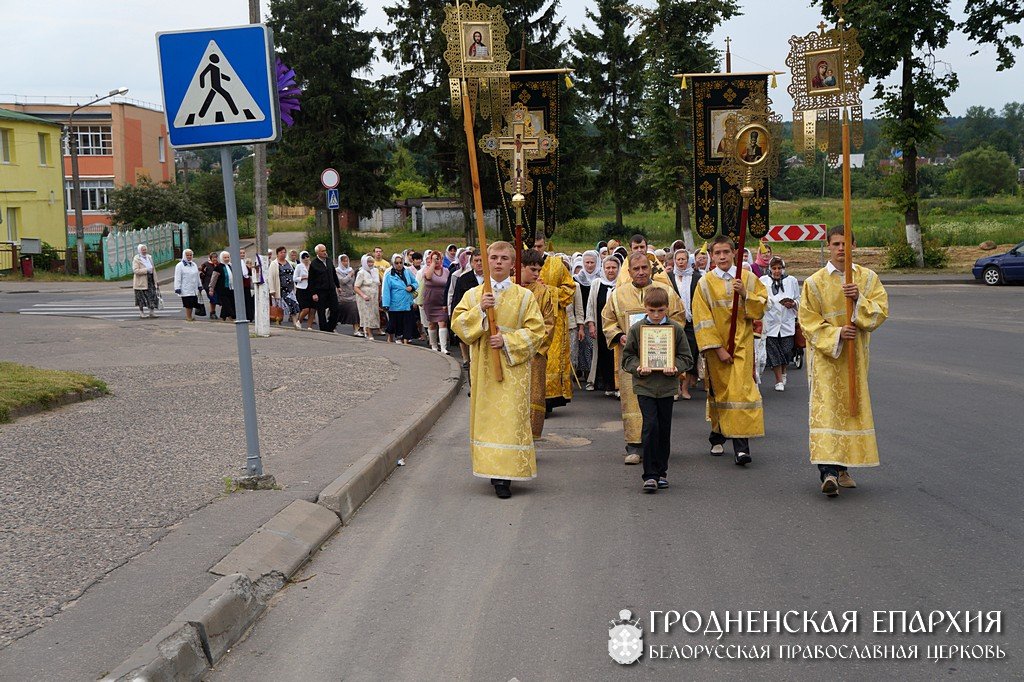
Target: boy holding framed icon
656,351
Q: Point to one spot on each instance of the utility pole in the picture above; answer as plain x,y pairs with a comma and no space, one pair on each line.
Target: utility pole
259,170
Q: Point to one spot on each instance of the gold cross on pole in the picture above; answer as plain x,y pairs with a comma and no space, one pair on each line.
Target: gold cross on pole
519,143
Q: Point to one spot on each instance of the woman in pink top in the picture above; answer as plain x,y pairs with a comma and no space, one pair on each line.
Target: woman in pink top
435,281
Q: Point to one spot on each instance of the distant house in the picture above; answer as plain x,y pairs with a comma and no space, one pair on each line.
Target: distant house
31,179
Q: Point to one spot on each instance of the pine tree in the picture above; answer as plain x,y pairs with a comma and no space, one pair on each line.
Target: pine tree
610,71
321,40
675,38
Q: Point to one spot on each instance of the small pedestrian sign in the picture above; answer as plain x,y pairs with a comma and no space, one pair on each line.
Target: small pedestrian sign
333,201
219,86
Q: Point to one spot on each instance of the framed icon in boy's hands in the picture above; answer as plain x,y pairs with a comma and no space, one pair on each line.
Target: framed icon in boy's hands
657,347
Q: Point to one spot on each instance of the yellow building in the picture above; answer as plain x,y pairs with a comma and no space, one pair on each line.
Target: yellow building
31,179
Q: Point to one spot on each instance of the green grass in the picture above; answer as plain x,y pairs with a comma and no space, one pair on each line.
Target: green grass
46,276
23,385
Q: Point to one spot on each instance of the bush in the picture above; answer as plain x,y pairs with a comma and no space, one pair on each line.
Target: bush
612,230
49,259
811,212
577,231
935,256
900,255
344,244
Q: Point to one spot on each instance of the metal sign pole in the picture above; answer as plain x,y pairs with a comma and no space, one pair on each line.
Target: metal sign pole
334,247
253,462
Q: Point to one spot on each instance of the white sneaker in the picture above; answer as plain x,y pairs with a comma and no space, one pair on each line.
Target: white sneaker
781,386
784,378
717,450
444,351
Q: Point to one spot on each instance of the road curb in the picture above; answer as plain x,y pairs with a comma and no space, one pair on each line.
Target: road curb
199,636
69,398
349,491
929,280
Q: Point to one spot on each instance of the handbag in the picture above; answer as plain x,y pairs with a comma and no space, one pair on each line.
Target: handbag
276,313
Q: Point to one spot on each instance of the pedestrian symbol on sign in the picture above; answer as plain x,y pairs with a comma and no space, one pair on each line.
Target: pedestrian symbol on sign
216,94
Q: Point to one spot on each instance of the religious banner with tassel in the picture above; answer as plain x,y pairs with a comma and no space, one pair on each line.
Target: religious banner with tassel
539,92
478,57
827,117
717,203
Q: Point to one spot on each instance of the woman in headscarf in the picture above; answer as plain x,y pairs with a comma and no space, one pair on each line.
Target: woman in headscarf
780,318
348,310
449,256
602,366
367,289
186,284
764,257
590,270
144,281
307,310
684,279
398,293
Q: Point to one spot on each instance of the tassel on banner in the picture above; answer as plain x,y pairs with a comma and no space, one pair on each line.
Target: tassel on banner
568,82
684,82
775,83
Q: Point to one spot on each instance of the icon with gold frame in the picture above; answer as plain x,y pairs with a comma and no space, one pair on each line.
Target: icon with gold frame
658,347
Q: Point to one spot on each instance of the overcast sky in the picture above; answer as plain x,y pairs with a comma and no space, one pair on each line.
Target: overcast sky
76,48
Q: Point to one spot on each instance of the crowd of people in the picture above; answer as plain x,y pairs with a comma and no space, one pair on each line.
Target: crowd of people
576,319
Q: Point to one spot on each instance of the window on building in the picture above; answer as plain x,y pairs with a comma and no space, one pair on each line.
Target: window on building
161,149
44,149
92,141
6,143
94,194
13,219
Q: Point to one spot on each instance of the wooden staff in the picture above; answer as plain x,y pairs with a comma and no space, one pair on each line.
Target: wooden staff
746,193
481,232
851,360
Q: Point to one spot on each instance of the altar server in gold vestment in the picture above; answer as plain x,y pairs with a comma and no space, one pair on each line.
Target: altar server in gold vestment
734,403
500,439
838,439
562,288
529,278
624,308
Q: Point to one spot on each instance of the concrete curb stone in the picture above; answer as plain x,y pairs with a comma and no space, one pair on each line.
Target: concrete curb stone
255,570
349,491
68,398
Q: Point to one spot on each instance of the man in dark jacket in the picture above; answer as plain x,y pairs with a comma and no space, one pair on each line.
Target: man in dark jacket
323,282
464,283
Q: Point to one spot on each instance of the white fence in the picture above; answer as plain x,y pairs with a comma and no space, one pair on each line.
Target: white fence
382,220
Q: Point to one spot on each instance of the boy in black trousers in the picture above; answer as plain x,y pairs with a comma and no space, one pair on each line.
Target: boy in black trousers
655,388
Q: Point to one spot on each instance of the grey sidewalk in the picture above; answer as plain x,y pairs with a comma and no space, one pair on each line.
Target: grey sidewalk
114,509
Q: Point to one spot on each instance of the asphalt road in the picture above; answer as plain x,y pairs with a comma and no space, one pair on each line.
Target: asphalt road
437,579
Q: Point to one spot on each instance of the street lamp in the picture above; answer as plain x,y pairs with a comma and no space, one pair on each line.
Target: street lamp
76,184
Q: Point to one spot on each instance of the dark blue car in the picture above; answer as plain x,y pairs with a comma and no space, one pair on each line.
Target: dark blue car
1006,267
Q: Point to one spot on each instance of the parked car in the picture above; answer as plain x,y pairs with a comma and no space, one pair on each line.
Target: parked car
1006,267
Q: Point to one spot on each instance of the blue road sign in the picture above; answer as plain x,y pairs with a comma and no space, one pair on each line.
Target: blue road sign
219,86
332,199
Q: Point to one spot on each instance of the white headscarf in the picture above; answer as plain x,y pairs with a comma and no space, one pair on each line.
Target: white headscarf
146,259
368,267
587,278
602,280
342,270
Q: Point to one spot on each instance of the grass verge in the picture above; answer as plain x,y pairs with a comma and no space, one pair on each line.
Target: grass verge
22,386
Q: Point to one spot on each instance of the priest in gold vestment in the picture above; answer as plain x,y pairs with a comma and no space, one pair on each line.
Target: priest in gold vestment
734,403
624,308
530,279
500,439
839,439
562,287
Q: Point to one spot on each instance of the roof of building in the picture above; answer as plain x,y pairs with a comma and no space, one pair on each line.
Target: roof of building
8,115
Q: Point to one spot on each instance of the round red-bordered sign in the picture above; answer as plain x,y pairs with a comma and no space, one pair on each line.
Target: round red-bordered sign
330,178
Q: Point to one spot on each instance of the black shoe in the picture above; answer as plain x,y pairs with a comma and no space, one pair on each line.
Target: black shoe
662,483
743,458
213,316
503,491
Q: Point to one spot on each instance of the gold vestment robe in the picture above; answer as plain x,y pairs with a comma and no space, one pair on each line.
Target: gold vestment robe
734,403
837,437
562,287
625,307
500,440
538,365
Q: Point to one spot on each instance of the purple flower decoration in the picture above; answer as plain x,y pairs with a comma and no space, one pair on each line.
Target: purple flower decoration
288,92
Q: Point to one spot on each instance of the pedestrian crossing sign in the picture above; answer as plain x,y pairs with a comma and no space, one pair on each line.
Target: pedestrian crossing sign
219,86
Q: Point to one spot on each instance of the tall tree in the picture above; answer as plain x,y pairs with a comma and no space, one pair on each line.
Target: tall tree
321,40
912,109
675,36
610,69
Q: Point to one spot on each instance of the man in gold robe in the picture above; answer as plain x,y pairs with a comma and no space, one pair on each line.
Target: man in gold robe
625,307
838,438
562,288
529,278
734,403
500,440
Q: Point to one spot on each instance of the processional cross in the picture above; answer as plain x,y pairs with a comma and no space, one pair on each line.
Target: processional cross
519,143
